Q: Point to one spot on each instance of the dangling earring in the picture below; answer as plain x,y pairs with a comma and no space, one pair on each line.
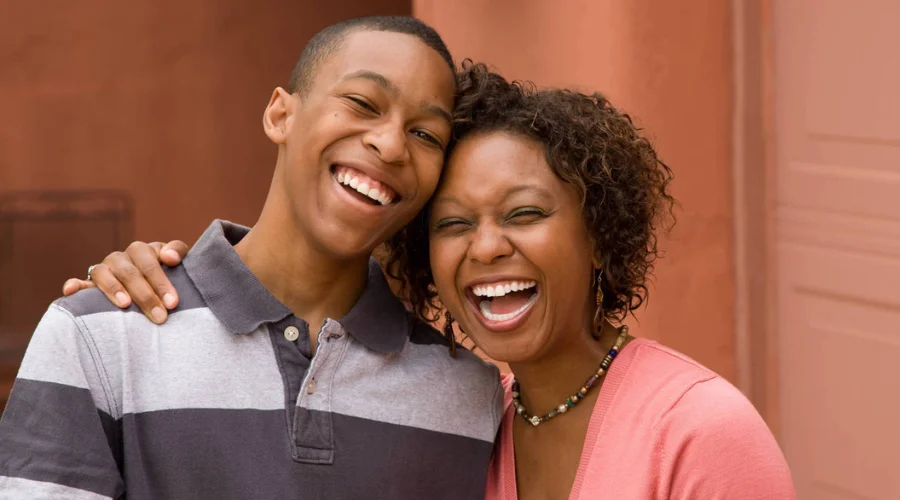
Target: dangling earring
449,333
598,313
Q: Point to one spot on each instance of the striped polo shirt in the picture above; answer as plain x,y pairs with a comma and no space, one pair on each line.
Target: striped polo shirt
225,401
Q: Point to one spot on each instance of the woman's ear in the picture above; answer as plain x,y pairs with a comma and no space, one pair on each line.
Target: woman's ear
596,262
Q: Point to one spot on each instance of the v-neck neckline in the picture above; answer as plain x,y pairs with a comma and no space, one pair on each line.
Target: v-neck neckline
617,373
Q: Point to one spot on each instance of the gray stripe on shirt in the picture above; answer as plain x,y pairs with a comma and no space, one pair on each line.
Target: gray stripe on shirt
189,362
424,371
17,488
375,396
61,351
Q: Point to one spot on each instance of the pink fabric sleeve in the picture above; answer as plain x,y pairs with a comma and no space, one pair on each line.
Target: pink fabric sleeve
716,446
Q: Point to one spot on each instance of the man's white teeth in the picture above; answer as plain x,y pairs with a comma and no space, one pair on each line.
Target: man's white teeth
485,307
502,289
364,188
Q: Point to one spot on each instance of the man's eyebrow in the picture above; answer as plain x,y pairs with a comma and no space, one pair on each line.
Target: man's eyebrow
389,87
434,109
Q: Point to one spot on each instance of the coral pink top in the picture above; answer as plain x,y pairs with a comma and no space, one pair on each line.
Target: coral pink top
663,427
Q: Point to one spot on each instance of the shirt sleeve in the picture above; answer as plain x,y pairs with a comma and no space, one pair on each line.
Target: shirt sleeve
59,432
717,447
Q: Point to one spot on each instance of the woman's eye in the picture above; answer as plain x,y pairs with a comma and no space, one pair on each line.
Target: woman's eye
450,224
527,214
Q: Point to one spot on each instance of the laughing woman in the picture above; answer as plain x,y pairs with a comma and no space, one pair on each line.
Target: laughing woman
539,240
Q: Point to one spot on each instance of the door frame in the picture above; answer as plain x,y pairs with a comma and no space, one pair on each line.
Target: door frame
754,163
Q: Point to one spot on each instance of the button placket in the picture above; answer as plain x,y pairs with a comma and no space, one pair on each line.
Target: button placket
313,431
294,364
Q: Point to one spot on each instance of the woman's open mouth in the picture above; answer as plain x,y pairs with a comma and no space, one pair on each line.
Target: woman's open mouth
503,304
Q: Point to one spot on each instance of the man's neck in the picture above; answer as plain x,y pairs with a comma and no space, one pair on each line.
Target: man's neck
312,285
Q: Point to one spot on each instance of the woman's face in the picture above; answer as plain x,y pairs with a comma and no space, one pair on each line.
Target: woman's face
511,257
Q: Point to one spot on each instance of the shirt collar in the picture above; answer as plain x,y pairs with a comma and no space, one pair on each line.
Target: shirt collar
378,319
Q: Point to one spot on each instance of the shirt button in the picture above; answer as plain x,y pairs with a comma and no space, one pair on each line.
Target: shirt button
311,387
291,333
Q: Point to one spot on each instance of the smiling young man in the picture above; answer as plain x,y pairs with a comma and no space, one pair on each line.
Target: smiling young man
288,368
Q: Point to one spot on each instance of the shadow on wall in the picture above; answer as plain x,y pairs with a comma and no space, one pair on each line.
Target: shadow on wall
45,238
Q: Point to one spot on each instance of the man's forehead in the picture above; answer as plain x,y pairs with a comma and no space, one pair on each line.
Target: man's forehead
393,55
379,41
407,69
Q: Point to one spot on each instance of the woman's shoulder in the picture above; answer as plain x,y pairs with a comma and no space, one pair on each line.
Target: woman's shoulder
718,446
705,425
650,376
668,360
680,387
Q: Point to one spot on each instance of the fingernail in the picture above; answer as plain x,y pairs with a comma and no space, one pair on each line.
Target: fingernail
122,299
169,300
158,314
172,254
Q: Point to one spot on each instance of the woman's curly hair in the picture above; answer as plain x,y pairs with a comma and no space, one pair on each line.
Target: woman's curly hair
589,144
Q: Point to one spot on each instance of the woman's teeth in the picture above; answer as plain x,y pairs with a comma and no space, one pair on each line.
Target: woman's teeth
485,307
492,293
501,289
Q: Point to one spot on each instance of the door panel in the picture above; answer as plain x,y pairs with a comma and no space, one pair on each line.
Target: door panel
837,71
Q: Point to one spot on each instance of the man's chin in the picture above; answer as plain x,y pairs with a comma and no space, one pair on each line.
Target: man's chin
348,245
343,231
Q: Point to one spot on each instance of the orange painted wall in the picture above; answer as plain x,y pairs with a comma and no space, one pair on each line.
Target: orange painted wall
163,99
670,65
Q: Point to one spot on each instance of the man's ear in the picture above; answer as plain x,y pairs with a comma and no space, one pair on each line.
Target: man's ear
278,117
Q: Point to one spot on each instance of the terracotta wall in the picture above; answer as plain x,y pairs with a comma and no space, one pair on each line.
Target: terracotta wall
163,99
670,65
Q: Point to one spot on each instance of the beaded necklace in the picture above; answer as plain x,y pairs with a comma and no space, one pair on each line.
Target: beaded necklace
578,396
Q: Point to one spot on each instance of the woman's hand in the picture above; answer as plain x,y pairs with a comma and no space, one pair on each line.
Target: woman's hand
136,274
